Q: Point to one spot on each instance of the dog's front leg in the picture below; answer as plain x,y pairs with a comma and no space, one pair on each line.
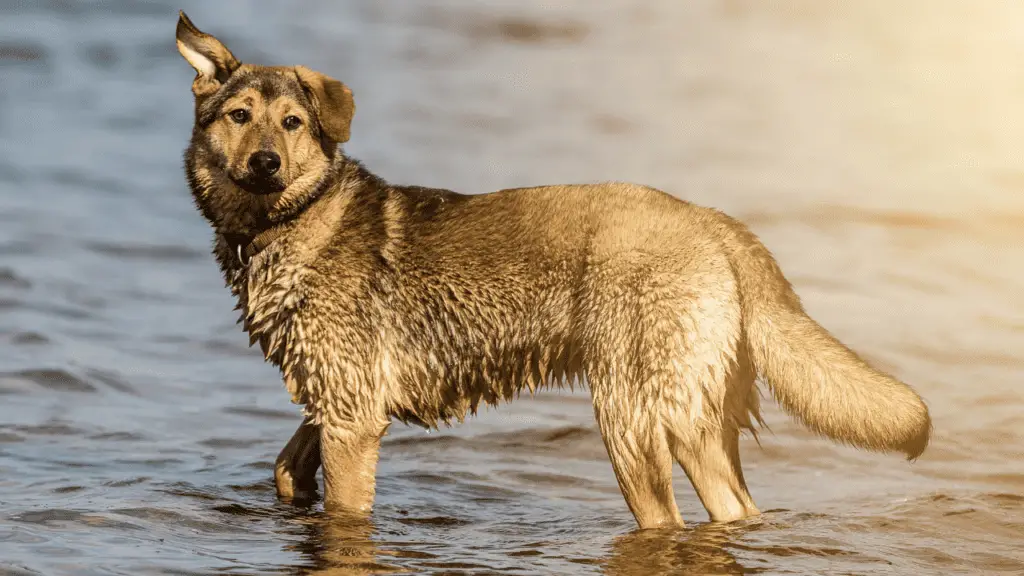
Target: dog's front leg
296,466
349,457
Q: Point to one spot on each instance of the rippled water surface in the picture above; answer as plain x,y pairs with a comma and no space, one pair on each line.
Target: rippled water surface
877,148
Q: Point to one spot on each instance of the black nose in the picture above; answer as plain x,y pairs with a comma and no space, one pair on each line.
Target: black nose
264,164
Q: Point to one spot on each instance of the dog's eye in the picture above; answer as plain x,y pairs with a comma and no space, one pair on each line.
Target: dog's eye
240,116
291,122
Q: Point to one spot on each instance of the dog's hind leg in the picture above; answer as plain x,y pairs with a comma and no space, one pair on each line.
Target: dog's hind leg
711,459
639,452
296,466
706,444
708,449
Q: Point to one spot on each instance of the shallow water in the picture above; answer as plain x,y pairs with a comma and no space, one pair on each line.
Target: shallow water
875,148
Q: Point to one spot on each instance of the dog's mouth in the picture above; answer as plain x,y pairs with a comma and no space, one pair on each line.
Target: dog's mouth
259,186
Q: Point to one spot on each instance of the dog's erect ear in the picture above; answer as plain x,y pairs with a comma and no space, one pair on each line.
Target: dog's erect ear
213,62
333,101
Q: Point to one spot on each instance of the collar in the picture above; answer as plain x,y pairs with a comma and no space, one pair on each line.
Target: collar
245,246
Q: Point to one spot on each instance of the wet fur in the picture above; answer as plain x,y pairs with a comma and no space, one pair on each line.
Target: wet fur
380,301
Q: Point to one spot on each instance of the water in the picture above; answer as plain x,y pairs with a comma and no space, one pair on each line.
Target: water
876,148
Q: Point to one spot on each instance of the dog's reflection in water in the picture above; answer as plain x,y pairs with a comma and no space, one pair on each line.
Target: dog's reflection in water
338,543
703,549
341,544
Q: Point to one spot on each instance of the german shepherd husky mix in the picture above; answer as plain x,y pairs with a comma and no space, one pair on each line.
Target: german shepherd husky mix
379,301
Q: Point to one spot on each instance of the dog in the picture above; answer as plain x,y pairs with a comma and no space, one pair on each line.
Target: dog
379,301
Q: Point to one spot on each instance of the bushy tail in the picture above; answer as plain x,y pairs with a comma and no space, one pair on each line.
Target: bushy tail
815,378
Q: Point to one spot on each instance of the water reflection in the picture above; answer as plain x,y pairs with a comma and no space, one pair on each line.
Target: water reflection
341,544
703,549
337,543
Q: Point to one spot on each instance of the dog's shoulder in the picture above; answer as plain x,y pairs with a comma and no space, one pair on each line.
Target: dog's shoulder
423,204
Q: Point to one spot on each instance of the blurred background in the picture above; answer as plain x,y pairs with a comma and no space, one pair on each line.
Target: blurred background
876,147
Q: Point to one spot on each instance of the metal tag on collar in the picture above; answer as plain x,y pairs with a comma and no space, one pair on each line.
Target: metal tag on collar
241,256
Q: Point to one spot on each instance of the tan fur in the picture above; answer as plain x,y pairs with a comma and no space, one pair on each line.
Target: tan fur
380,301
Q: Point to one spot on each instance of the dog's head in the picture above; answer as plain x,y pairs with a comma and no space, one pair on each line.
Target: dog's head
263,135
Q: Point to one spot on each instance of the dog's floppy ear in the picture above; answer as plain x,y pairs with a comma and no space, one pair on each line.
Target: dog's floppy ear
332,100
213,62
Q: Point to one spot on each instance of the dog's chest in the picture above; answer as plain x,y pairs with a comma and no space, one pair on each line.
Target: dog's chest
271,298
315,330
